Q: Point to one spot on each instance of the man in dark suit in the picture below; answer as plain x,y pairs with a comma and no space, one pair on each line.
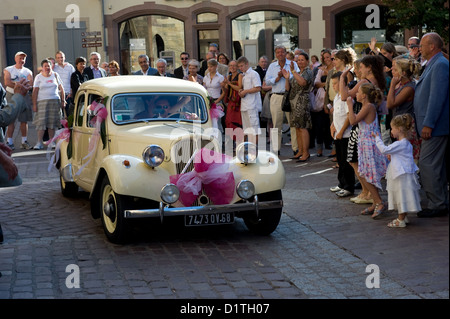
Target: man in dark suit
144,63
94,71
262,66
182,71
431,109
161,65
213,52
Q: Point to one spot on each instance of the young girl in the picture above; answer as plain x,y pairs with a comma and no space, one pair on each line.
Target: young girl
402,183
372,164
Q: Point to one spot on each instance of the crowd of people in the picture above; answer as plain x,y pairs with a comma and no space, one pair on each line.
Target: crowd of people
384,115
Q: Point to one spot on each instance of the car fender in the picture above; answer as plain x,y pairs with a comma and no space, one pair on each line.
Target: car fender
63,159
130,176
267,173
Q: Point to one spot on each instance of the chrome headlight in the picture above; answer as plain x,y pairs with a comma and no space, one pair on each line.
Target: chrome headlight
247,152
245,189
170,193
153,155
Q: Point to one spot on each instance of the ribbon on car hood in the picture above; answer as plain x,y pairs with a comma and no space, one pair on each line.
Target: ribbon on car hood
212,173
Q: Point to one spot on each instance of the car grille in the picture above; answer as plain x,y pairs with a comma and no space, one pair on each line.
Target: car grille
183,150
181,155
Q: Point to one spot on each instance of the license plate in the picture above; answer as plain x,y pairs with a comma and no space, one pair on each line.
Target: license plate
209,219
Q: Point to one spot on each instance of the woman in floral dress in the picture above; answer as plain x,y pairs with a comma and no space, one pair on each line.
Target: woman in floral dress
300,116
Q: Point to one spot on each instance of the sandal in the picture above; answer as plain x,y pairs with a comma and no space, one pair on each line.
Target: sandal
377,212
368,210
397,223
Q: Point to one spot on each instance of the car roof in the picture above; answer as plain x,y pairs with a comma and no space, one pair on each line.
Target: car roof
138,83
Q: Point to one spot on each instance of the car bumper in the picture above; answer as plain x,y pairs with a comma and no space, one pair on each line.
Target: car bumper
164,211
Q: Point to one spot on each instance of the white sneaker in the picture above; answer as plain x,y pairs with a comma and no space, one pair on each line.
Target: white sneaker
39,146
343,193
335,189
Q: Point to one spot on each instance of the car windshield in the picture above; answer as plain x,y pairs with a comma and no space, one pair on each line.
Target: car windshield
133,107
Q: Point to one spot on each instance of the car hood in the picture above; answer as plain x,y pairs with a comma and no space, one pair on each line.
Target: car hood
133,139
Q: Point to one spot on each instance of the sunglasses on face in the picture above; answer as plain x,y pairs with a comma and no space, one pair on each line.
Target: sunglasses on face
184,58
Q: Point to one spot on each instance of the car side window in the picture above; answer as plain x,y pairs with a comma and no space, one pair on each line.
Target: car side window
89,114
80,110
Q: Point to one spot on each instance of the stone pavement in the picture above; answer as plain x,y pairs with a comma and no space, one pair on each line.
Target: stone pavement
319,251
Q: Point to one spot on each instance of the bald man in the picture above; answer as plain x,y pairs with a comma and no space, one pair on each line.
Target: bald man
431,101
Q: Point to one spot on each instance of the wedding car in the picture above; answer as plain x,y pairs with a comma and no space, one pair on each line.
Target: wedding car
151,147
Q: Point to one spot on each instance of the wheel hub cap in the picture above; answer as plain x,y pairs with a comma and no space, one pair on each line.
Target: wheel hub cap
110,209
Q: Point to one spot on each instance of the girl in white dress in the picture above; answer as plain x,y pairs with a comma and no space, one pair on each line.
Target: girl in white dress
402,181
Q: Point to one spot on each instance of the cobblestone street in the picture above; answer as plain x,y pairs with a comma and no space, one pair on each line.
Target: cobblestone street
320,249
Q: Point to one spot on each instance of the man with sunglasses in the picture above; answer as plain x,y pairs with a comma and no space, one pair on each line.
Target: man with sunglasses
161,106
182,71
155,107
413,48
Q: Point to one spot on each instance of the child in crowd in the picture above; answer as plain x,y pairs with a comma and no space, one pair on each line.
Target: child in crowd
402,182
340,131
372,164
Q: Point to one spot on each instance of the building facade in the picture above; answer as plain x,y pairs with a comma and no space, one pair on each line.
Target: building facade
122,30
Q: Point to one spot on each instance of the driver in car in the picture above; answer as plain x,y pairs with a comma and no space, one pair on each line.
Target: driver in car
160,107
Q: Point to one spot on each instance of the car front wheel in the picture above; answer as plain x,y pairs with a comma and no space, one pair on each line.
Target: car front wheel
112,206
268,219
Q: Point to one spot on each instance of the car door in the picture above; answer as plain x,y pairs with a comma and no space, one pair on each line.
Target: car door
78,133
90,143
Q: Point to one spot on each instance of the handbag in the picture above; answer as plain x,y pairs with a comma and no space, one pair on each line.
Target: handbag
317,104
286,103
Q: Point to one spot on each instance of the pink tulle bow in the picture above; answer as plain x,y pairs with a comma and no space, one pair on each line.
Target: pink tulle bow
212,172
60,136
216,111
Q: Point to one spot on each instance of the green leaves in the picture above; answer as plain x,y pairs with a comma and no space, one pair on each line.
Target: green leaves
431,15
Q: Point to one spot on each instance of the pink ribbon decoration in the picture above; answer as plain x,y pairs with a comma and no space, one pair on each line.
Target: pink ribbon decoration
60,136
216,112
100,115
212,172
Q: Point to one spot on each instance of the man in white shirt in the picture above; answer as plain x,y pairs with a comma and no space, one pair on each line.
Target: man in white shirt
65,70
13,74
251,103
275,78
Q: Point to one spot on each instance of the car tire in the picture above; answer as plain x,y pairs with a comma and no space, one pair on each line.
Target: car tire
112,206
68,189
267,220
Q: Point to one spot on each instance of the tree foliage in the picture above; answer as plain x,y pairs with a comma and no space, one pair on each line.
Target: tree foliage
430,15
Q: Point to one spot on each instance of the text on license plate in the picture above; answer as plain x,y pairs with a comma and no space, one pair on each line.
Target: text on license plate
209,219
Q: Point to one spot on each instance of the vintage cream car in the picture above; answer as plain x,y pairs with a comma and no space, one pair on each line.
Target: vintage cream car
146,147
